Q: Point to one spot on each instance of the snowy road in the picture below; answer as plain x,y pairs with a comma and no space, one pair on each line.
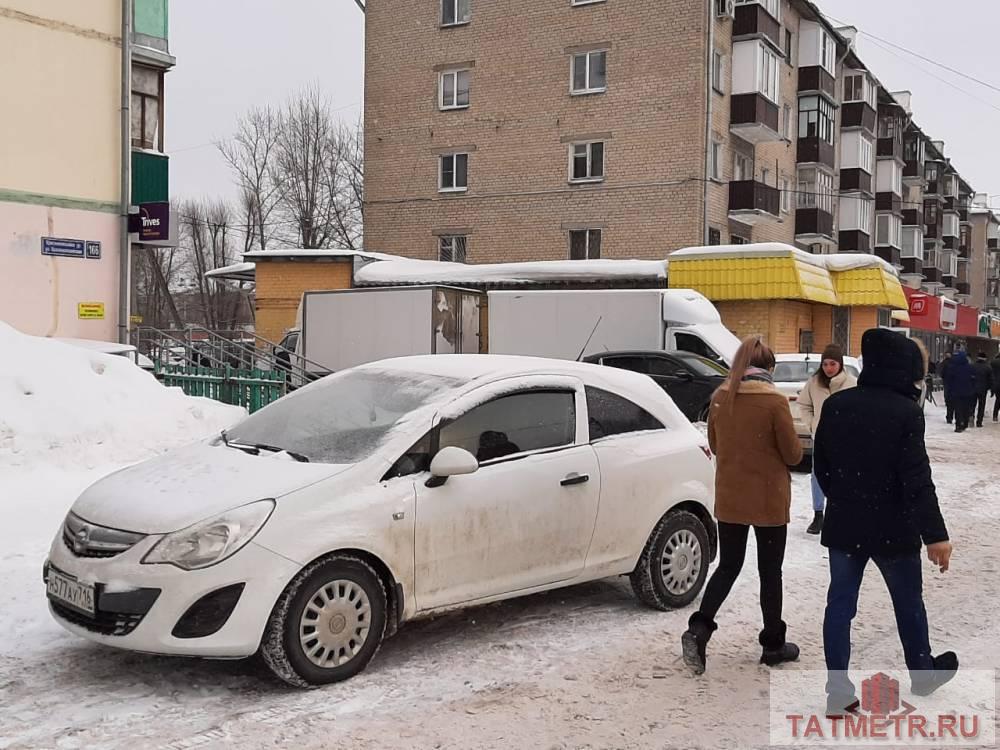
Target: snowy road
582,668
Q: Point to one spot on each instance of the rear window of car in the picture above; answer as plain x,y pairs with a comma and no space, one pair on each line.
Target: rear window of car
799,372
610,414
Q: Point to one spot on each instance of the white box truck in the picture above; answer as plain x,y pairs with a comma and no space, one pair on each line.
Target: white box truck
350,327
575,323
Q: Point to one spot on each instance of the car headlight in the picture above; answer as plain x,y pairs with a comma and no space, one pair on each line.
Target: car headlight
211,541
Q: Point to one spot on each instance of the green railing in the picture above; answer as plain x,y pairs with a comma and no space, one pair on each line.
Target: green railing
251,389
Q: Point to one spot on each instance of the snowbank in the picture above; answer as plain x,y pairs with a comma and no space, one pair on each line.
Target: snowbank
61,405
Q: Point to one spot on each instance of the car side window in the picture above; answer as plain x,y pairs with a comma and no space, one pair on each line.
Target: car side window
520,422
631,363
416,460
610,414
665,366
688,342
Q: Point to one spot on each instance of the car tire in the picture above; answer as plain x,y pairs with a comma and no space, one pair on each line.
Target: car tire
674,565
341,602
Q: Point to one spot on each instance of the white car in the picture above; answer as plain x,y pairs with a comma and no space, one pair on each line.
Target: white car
791,373
315,527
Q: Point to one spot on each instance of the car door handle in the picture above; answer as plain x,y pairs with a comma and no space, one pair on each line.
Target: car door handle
575,478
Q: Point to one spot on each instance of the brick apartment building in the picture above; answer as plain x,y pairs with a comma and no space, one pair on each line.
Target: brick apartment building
520,131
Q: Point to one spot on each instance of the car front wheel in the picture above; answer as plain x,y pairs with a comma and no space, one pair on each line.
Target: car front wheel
327,624
674,565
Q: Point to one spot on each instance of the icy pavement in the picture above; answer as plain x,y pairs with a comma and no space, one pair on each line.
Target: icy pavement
585,667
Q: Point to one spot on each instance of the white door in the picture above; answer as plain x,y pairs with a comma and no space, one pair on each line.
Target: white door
526,517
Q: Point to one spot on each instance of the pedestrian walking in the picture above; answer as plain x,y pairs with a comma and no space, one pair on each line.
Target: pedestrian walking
960,383
995,366
751,432
872,464
830,378
949,404
984,384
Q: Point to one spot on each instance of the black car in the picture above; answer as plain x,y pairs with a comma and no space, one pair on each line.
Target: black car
688,379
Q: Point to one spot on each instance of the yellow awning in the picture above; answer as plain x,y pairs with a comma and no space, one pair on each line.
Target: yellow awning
869,287
753,278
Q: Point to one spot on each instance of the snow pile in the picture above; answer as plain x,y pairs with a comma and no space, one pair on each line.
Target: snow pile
61,404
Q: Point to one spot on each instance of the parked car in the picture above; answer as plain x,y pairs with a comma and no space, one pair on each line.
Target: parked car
790,375
690,380
403,488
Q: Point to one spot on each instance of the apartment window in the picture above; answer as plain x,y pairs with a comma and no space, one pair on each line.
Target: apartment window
786,195
854,88
950,185
789,47
454,173
816,118
765,175
767,73
890,177
718,65
147,96
590,72
931,213
585,244
714,236
965,237
454,89
889,126
455,12
867,155
913,149
737,240
828,51
931,172
865,215
452,249
815,189
913,243
586,161
786,123
715,164
771,6
888,229
742,168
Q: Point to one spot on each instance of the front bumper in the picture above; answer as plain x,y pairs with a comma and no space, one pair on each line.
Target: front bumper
264,574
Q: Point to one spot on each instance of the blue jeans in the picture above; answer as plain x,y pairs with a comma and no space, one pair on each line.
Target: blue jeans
819,499
904,578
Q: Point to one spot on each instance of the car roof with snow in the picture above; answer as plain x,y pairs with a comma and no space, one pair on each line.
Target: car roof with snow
811,357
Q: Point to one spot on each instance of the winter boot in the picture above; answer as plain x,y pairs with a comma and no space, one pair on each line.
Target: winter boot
817,523
945,669
695,640
776,650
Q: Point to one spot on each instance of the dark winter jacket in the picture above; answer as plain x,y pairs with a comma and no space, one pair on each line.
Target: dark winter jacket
870,460
995,366
960,378
984,376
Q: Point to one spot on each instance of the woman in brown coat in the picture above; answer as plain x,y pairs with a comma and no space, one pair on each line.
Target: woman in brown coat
751,432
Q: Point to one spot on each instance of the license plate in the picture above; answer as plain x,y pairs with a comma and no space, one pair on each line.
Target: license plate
69,591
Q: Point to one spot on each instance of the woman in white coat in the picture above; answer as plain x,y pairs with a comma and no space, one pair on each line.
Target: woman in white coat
829,378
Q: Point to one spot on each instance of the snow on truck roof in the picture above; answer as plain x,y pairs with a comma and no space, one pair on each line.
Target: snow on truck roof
546,271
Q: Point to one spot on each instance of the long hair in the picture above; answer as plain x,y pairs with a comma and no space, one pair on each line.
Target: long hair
753,352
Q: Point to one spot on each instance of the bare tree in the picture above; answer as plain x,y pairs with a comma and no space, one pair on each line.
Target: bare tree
207,243
156,273
345,186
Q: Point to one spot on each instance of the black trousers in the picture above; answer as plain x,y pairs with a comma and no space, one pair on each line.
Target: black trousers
996,406
981,407
963,411
770,557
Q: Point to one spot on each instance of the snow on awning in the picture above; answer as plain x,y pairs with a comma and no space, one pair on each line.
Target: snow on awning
235,272
400,272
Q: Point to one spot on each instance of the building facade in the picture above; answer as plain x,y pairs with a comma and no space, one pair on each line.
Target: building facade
601,128
60,157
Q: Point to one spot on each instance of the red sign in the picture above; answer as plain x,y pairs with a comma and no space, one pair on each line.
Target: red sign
941,315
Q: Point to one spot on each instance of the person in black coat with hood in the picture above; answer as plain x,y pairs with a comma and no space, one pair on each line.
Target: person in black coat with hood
984,382
960,382
871,462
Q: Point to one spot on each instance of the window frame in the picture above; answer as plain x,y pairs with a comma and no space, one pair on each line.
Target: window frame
821,114
139,141
455,73
453,156
588,234
588,88
768,77
587,389
743,168
827,52
718,69
453,239
589,146
456,5
715,161
785,197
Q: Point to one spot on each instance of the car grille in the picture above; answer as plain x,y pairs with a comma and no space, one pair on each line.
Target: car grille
85,539
105,623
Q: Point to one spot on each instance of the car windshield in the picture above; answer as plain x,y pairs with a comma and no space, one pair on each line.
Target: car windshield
704,366
800,372
342,418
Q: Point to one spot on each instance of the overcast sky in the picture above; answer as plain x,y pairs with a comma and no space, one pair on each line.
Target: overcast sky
232,54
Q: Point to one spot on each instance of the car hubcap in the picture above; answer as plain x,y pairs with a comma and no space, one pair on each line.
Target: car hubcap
680,564
334,624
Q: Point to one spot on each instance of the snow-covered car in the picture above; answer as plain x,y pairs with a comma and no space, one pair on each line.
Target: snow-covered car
315,527
791,372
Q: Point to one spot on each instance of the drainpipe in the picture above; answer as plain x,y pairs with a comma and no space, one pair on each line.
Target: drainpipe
710,34
125,255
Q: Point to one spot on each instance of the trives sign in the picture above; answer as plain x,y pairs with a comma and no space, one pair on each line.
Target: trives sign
152,223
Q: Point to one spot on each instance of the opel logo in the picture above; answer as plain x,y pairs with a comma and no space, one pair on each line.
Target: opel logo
80,539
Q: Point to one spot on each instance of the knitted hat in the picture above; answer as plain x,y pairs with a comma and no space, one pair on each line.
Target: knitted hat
835,353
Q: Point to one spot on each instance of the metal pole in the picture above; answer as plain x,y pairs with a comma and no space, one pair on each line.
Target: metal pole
125,255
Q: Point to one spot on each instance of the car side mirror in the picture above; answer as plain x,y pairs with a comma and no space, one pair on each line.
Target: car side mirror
451,462
684,375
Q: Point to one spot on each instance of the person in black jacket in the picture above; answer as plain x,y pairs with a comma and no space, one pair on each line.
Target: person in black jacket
995,366
984,383
942,371
960,382
870,459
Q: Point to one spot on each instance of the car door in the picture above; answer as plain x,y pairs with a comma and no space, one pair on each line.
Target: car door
526,517
679,382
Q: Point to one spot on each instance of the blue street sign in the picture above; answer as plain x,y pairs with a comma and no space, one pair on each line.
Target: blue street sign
63,248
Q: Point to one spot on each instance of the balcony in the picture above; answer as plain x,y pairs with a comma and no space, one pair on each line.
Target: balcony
949,242
932,231
753,117
932,275
150,178
913,172
854,241
858,115
816,151
752,20
888,202
888,254
750,201
816,79
855,180
913,217
912,267
813,226
889,148
963,213
950,204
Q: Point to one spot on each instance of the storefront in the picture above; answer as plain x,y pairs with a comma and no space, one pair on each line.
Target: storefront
944,325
